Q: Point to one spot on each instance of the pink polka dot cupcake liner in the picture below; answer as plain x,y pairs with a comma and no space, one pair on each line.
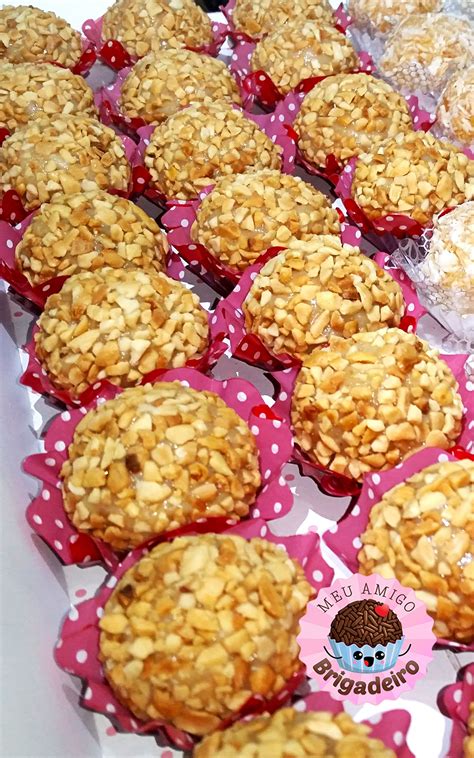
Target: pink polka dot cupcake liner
78,644
344,537
260,87
109,104
46,514
276,130
390,727
12,210
36,378
113,54
342,21
248,347
454,702
341,486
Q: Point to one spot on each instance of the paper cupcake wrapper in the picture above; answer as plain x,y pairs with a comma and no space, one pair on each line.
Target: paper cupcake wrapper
109,104
113,53
248,347
341,18
46,514
13,211
341,486
36,377
276,130
390,727
345,653
454,702
344,537
78,644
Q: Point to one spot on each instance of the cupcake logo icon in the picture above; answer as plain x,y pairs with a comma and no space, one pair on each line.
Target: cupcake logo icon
366,639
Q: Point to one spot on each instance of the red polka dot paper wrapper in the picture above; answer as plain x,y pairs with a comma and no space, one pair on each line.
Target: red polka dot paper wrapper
390,727
342,20
454,701
113,53
46,514
13,211
248,347
109,104
78,645
338,485
10,237
275,130
36,378
344,537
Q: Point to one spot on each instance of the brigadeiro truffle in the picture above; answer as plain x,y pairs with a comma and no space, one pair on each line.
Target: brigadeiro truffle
302,49
318,288
201,624
161,84
382,16
62,155
143,26
365,403
168,456
258,17
425,49
28,34
246,214
35,90
412,174
87,232
196,146
306,735
421,533
118,325
455,113
348,114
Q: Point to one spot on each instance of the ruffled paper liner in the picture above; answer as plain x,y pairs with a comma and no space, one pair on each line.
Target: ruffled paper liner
13,211
340,486
78,645
248,347
390,727
341,18
445,304
109,105
275,130
46,514
344,537
37,379
113,53
454,702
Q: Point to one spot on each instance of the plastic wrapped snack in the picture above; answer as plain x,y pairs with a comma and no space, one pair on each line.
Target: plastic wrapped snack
118,325
365,403
421,533
199,625
161,84
198,459
62,155
348,114
87,232
246,214
143,26
316,289
307,734
455,113
302,49
382,16
425,50
258,17
412,174
196,146
33,90
28,35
